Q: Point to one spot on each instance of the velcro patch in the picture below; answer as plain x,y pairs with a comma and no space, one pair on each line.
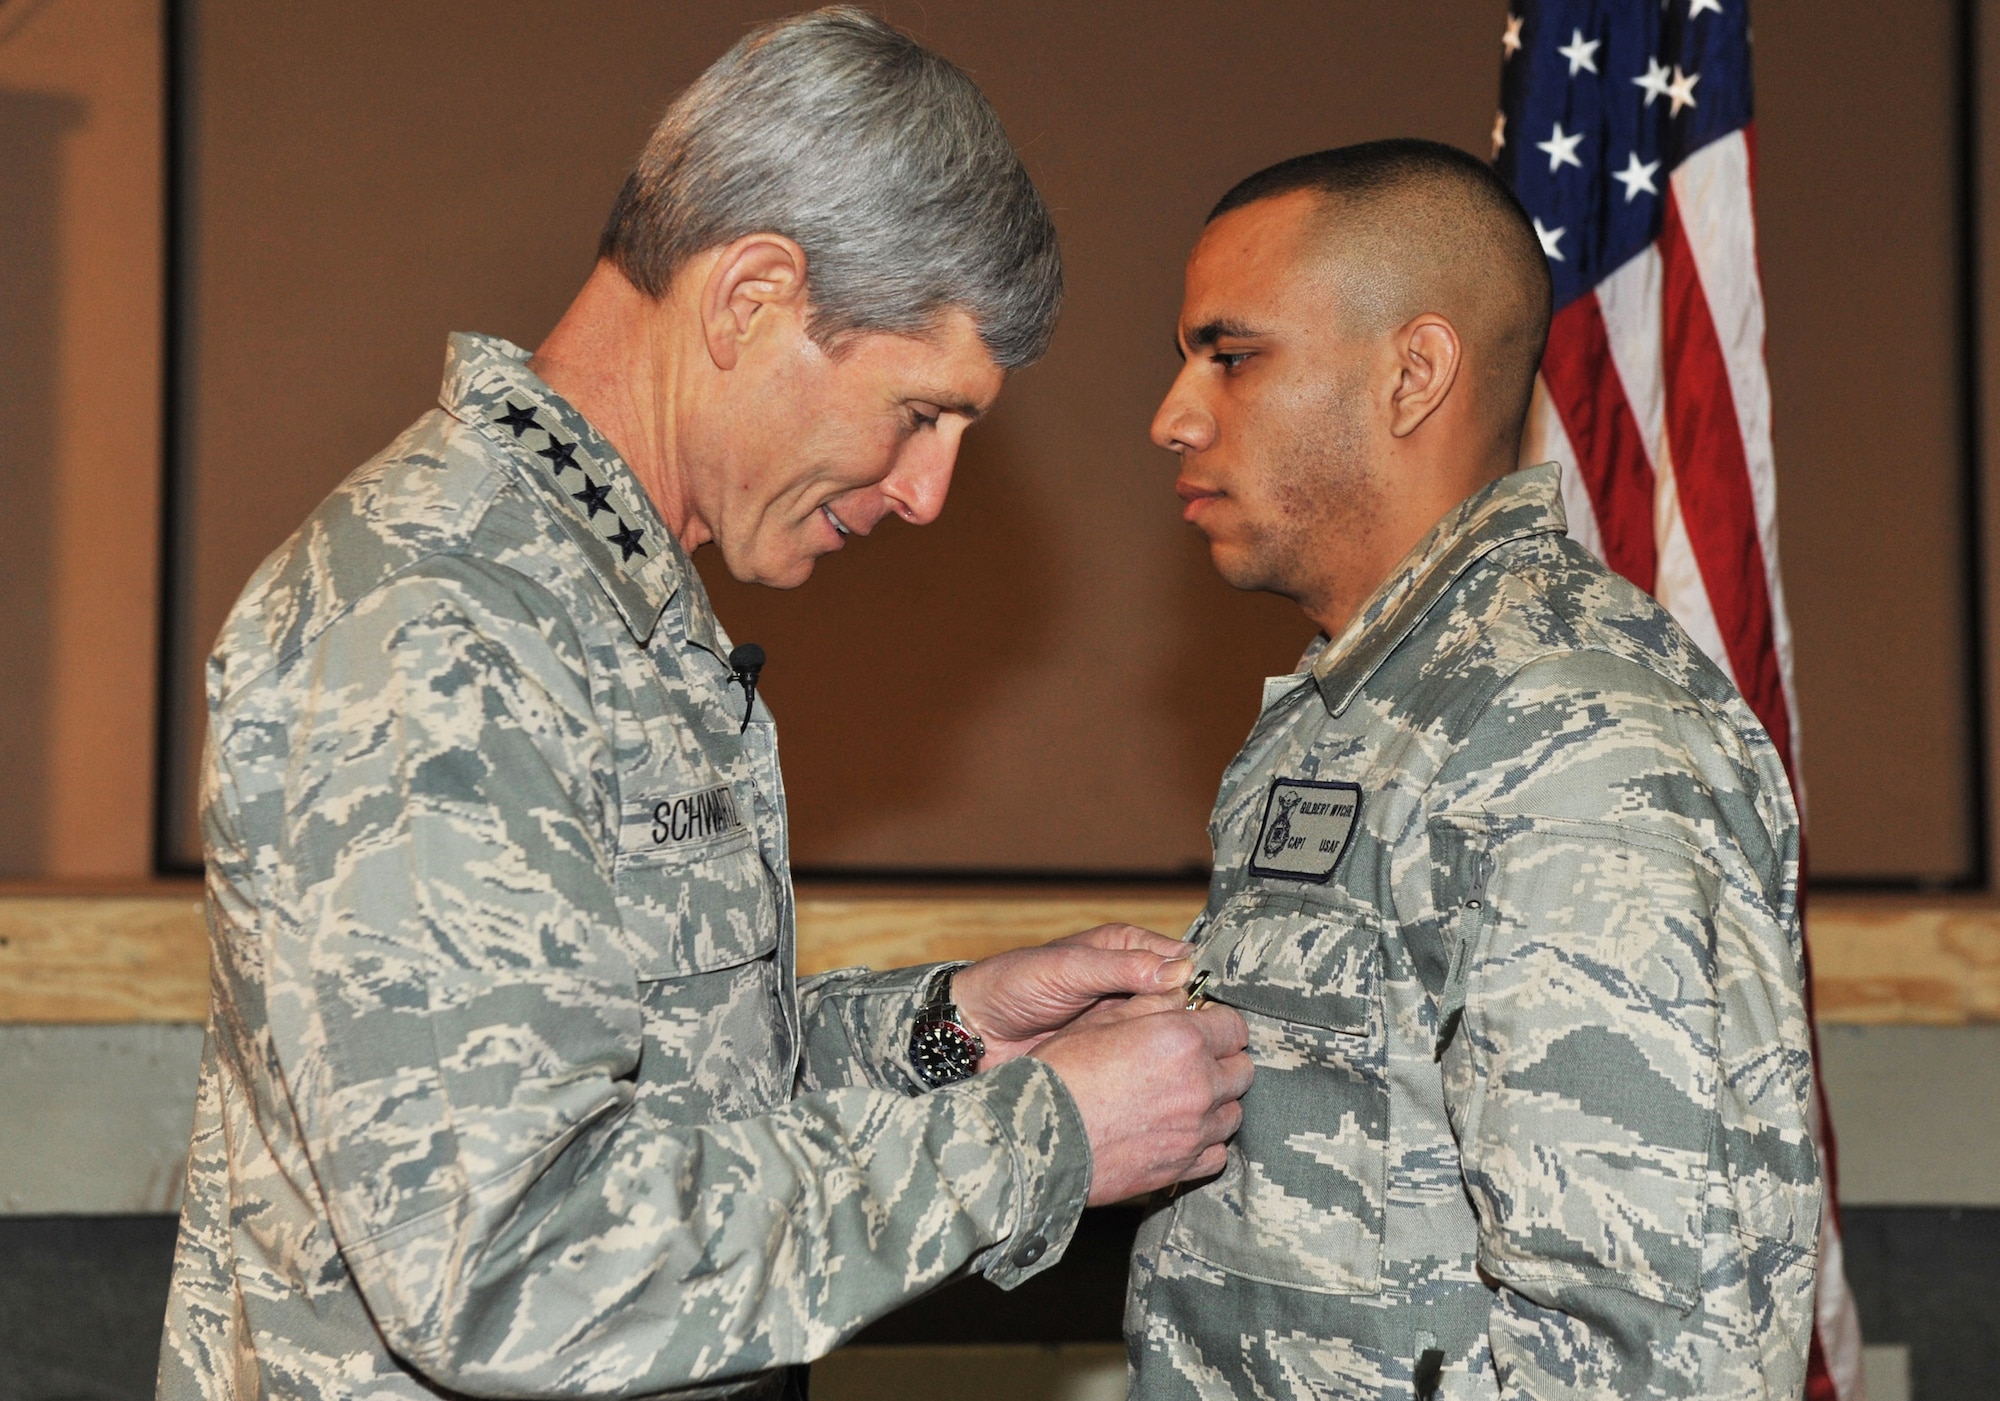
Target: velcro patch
692,819
1306,828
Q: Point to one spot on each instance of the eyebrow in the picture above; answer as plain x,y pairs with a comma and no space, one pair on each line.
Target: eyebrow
1205,336
945,402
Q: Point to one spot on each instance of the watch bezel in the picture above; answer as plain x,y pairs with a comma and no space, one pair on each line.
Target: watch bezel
943,1049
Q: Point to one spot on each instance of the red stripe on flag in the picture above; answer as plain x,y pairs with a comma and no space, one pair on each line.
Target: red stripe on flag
1713,477
1819,1379
1833,1370
1611,457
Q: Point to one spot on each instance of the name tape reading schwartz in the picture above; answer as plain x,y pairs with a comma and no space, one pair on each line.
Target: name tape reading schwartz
686,820
1306,828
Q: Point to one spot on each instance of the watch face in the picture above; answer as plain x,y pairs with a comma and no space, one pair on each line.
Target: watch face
943,1052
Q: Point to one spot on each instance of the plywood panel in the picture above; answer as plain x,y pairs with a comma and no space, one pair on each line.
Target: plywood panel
79,960
144,958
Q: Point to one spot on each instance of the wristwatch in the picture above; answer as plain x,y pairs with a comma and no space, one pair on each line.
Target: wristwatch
943,1049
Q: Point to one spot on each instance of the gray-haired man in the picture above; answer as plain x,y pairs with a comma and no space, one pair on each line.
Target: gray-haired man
509,1089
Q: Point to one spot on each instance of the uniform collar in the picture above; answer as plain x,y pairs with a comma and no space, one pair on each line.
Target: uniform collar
1517,506
581,480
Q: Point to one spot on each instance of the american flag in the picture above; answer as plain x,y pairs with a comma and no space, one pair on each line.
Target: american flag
1625,128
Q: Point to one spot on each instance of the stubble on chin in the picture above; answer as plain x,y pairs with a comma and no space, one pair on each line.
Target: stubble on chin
1318,478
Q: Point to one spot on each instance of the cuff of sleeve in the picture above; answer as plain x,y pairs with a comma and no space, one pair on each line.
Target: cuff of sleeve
1043,1130
872,1013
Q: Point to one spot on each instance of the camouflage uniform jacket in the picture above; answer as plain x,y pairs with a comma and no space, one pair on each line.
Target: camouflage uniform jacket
1505,887
509,1088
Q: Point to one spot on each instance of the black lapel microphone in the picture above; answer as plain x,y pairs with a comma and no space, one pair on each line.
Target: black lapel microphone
745,661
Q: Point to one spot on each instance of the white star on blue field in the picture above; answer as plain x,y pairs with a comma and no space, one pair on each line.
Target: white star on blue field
1600,101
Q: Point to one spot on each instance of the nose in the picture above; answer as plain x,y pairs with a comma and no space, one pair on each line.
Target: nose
918,485
1183,424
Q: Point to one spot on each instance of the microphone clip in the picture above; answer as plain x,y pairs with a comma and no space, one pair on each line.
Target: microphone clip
746,661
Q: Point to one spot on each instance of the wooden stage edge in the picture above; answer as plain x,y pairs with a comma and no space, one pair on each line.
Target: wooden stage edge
139,953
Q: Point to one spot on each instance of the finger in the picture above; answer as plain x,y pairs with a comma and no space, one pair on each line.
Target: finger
1220,1124
1146,1003
1111,1010
1139,1004
1127,936
1223,1028
1094,972
1212,1160
1233,1075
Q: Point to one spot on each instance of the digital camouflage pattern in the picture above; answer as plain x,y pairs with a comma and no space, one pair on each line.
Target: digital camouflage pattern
1505,886
508,1086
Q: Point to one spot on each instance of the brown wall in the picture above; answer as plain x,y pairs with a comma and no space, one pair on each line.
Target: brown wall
1856,149
1049,677
79,434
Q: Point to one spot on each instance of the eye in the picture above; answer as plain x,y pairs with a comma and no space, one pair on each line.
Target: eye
1229,359
919,419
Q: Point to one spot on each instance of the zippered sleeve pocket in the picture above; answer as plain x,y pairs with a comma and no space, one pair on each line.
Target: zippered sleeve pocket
1583,1076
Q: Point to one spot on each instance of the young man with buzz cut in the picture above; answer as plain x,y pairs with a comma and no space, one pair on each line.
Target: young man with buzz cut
1505,875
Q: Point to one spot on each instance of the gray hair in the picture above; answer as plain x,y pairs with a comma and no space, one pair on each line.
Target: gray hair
879,158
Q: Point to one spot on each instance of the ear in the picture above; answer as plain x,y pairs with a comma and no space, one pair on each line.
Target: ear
1428,354
754,284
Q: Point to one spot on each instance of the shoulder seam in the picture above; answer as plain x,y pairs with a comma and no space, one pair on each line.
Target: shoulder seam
1593,648
1718,720
457,550
1505,680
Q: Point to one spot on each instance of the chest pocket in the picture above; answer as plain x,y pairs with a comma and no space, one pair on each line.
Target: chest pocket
697,899
700,925
1300,1202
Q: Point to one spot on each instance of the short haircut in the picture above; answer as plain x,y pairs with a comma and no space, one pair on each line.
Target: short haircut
879,158
1433,217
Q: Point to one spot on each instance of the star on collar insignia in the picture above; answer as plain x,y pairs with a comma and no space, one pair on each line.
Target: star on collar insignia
594,495
560,455
519,419
627,539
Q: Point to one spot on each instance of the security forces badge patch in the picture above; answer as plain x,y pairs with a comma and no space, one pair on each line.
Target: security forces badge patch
1307,824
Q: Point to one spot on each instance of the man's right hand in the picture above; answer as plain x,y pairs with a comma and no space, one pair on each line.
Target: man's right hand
1158,1090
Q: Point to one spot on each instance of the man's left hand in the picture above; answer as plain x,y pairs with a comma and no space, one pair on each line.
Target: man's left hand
1018,999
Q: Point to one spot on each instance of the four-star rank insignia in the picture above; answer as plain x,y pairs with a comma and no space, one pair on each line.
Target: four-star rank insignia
595,495
561,456
519,419
627,539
